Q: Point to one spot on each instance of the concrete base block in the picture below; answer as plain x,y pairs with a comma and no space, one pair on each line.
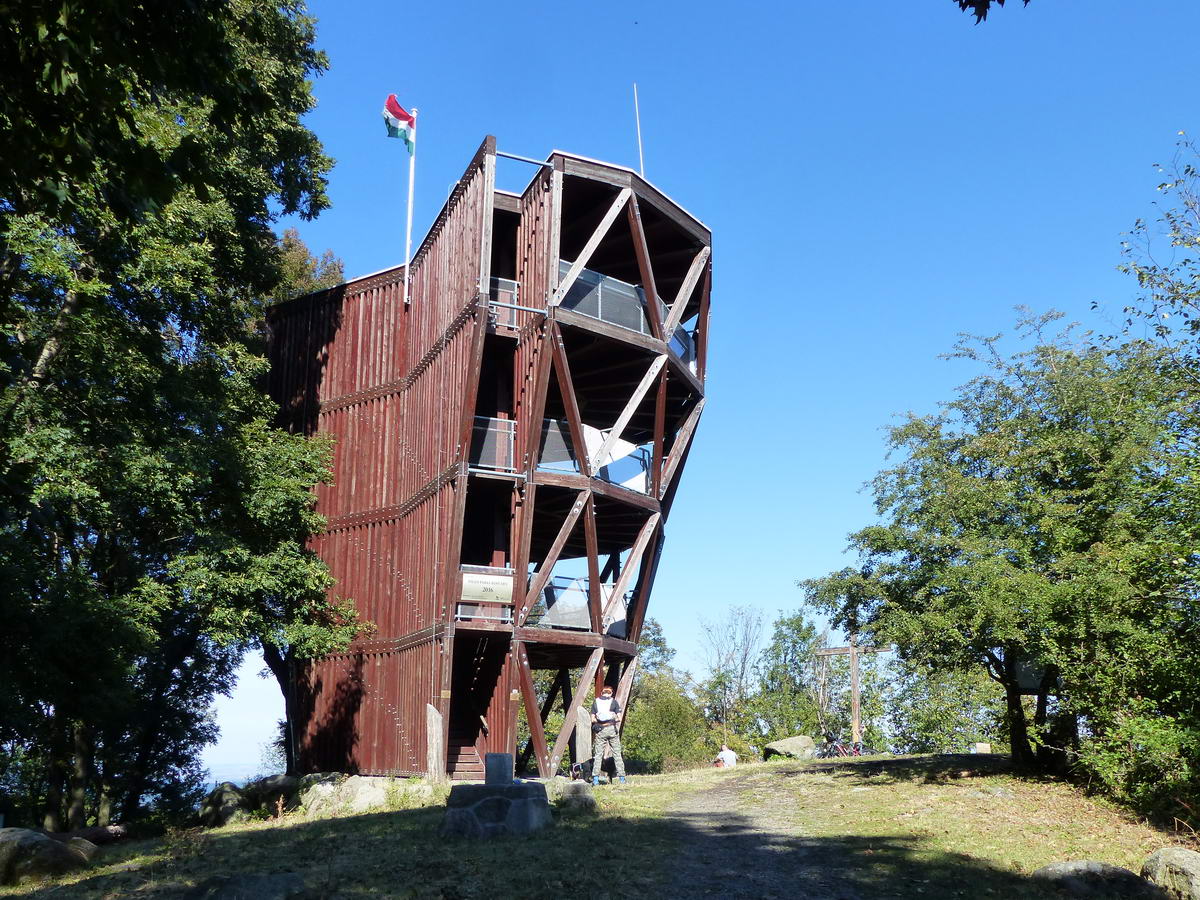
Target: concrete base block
485,810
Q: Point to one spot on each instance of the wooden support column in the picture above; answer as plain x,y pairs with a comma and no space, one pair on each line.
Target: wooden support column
702,325
560,745
660,422
593,562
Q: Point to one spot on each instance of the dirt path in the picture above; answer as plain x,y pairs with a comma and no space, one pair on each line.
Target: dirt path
739,846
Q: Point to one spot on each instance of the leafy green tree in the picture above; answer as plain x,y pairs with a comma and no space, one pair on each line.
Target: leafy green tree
664,729
943,711
301,272
1033,528
788,695
154,519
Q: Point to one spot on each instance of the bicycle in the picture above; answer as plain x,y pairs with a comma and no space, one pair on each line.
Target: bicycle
834,748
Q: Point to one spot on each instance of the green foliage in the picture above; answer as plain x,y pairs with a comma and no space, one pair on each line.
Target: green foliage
301,272
154,518
943,711
1045,521
664,730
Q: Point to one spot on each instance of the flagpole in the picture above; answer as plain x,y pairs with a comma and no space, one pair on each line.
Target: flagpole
412,172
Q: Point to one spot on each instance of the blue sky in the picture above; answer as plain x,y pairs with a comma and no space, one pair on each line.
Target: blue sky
878,177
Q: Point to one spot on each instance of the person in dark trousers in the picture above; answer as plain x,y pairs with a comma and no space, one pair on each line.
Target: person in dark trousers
606,722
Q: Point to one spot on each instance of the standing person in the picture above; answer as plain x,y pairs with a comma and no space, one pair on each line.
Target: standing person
726,757
606,720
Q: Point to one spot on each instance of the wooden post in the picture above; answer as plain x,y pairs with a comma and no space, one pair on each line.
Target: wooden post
854,651
435,751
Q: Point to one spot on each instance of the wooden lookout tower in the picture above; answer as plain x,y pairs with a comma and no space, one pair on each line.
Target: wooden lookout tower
508,446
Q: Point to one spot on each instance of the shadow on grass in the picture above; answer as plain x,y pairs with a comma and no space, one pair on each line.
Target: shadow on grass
400,854
929,769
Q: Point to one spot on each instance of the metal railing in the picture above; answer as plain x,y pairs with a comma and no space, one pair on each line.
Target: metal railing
504,296
605,298
494,445
564,604
620,303
556,453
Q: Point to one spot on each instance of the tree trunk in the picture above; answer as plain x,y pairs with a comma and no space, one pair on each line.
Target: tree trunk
104,804
52,810
81,764
1018,728
280,665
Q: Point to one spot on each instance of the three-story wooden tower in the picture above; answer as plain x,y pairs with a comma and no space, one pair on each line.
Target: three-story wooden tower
507,450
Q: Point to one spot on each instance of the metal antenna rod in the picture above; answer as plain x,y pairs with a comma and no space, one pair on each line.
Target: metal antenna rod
637,115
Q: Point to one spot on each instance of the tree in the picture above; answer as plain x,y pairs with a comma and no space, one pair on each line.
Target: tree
788,696
943,711
979,8
1032,529
154,518
664,729
246,62
302,273
731,647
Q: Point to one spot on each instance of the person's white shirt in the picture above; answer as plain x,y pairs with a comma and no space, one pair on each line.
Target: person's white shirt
728,757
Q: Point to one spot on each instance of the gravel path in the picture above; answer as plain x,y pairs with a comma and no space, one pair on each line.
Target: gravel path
740,847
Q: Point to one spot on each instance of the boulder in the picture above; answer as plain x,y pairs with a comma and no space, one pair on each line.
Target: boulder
27,855
327,795
224,805
799,747
1176,870
484,810
282,886
265,793
576,796
1088,878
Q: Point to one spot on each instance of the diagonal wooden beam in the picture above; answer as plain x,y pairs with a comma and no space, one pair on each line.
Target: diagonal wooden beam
624,688
612,568
685,291
593,562
630,408
633,624
562,680
642,252
566,387
681,443
560,744
537,732
622,584
547,566
590,247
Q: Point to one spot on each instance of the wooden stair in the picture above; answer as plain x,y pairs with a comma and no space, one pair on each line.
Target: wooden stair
463,762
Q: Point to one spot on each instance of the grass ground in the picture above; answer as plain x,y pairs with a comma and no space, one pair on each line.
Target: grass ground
925,827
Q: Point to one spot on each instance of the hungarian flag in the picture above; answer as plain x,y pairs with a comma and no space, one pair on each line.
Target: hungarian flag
400,123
